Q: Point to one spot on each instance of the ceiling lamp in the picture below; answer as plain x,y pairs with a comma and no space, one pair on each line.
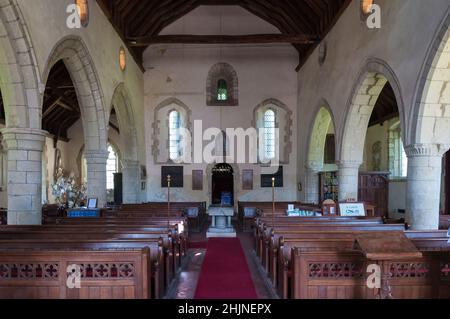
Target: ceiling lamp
83,11
366,6
122,59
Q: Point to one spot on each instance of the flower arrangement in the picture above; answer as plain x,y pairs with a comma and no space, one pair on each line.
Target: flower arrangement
67,193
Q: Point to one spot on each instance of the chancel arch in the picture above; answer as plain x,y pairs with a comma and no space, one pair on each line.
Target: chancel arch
322,132
76,58
366,92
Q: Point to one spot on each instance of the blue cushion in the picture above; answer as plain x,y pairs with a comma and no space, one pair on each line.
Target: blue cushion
250,211
192,212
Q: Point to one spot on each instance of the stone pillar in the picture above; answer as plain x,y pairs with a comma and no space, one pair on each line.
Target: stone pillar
96,175
348,176
424,185
131,172
24,147
312,183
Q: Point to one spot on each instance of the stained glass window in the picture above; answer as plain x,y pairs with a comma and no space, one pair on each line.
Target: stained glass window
174,135
222,90
269,134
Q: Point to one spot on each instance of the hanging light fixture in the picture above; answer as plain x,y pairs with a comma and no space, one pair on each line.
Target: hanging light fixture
83,11
366,6
122,59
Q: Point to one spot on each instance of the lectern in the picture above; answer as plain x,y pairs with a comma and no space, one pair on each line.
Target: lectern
384,248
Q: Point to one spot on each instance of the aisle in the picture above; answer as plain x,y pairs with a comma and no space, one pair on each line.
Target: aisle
225,273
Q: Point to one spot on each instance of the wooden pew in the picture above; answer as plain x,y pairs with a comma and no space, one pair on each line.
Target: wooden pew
270,236
444,222
342,275
344,243
160,209
106,274
155,246
265,208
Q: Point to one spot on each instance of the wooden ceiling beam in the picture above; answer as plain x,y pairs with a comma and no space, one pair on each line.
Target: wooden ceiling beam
222,39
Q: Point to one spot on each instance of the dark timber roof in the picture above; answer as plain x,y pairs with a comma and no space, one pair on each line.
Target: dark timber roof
147,18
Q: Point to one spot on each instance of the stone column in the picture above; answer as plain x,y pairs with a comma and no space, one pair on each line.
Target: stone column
348,176
24,147
96,175
312,183
424,185
131,172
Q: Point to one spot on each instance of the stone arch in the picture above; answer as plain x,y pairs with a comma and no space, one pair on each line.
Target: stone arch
125,117
73,51
350,151
158,135
315,150
75,55
323,119
281,121
371,81
20,81
430,119
222,71
128,137
428,136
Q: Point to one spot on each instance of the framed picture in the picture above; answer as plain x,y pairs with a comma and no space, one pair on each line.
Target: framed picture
197,180
247,179
92,203
352,209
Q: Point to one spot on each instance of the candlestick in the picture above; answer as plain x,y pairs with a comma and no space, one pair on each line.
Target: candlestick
273,201
168,200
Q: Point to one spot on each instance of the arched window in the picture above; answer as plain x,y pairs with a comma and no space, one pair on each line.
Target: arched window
269,134
112,167
398,161
174,135
222,90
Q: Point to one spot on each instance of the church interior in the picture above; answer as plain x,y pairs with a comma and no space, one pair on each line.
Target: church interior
224,149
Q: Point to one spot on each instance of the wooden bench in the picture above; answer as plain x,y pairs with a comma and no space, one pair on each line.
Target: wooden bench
105,274
342,275
264,208
340,242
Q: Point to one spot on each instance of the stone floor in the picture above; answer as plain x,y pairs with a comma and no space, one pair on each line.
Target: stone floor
184,285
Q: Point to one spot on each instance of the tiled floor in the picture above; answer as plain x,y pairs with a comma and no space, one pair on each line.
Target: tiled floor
185,283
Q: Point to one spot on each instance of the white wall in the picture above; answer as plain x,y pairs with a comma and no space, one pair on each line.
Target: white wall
180,71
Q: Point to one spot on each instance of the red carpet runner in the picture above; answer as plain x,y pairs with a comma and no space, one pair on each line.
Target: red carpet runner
225,273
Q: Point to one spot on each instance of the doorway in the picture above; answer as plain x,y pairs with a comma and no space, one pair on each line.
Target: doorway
222,185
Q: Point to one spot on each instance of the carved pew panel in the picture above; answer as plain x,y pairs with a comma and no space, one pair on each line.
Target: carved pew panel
104,274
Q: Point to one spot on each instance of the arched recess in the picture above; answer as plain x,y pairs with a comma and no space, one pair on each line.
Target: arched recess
160,138
76,57
369,85
222,73
322,125
128,138
429,135
19,74
283,119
